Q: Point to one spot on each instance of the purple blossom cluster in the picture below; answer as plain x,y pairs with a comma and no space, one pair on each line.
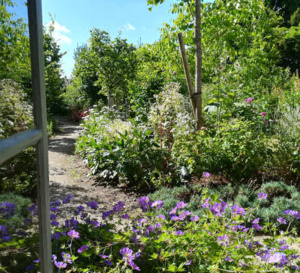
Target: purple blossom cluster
179,224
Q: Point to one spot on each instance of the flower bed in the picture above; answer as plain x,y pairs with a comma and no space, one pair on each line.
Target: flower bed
179,242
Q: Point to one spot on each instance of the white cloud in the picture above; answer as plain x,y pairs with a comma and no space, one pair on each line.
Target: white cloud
127,27
59,33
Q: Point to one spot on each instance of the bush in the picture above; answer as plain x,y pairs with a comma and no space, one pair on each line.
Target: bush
16,116
237,151
124,151
150,242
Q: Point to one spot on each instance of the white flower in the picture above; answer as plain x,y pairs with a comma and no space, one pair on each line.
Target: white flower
221,68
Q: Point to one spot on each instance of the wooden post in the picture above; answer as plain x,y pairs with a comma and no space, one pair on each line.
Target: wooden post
187,72
40,118
198,80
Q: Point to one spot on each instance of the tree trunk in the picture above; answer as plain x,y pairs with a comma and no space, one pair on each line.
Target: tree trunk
198,80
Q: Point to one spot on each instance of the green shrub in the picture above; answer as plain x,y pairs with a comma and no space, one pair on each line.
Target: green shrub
237,152
125,151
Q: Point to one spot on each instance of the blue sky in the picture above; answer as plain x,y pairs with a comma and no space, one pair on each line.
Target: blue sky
74,18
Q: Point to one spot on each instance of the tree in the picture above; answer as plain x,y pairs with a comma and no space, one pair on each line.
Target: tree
196,96
54,81
115,63
14,48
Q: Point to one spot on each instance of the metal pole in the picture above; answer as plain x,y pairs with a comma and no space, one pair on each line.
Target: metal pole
40,117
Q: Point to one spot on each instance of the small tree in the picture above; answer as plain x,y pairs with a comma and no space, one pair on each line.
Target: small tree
115,63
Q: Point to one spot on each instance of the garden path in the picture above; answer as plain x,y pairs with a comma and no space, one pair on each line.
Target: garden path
68,175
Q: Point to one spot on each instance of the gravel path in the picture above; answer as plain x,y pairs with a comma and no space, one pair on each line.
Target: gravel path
68,175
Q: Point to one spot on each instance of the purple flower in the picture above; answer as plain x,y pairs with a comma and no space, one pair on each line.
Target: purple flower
95,223
218,209
173,211
262,195
83,248
54,224
52,217
181,205
179,232
29,267
292,213
144,202
105,214
175,218
224,240
206,175
92,205
157,204
103,256
161,217
229,259
73,234
125,216
256,226
256,221
133,265
281,220
238,210
54,209
67,257
276,258
60,264
194,218
188,262
206,204
184,214
127,254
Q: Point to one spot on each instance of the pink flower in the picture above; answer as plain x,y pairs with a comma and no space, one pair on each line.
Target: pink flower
265,122
249,100
263,114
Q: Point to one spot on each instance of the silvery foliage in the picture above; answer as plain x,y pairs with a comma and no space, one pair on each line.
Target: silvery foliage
15,111
288,126
104,123
171,113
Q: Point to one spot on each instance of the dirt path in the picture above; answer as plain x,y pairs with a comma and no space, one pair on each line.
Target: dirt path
68,175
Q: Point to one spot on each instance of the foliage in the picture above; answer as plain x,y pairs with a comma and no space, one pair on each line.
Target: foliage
237,150
14,48
170,116
122,150
53,74
16,111
178,242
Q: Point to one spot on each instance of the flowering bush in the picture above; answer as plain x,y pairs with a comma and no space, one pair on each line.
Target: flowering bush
179,242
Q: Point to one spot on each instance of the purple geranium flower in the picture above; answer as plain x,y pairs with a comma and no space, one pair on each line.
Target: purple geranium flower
179,232
281,220
60,264
262,195
238,210
181,205
194,218
206,204
127,254
206,175
92,205
157,204
83,248
161,217
73,234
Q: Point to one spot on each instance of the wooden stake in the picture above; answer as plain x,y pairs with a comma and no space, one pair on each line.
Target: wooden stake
187,71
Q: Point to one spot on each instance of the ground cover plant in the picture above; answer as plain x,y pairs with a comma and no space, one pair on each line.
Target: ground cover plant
152,242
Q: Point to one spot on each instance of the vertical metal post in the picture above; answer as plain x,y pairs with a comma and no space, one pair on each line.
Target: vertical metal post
40,117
